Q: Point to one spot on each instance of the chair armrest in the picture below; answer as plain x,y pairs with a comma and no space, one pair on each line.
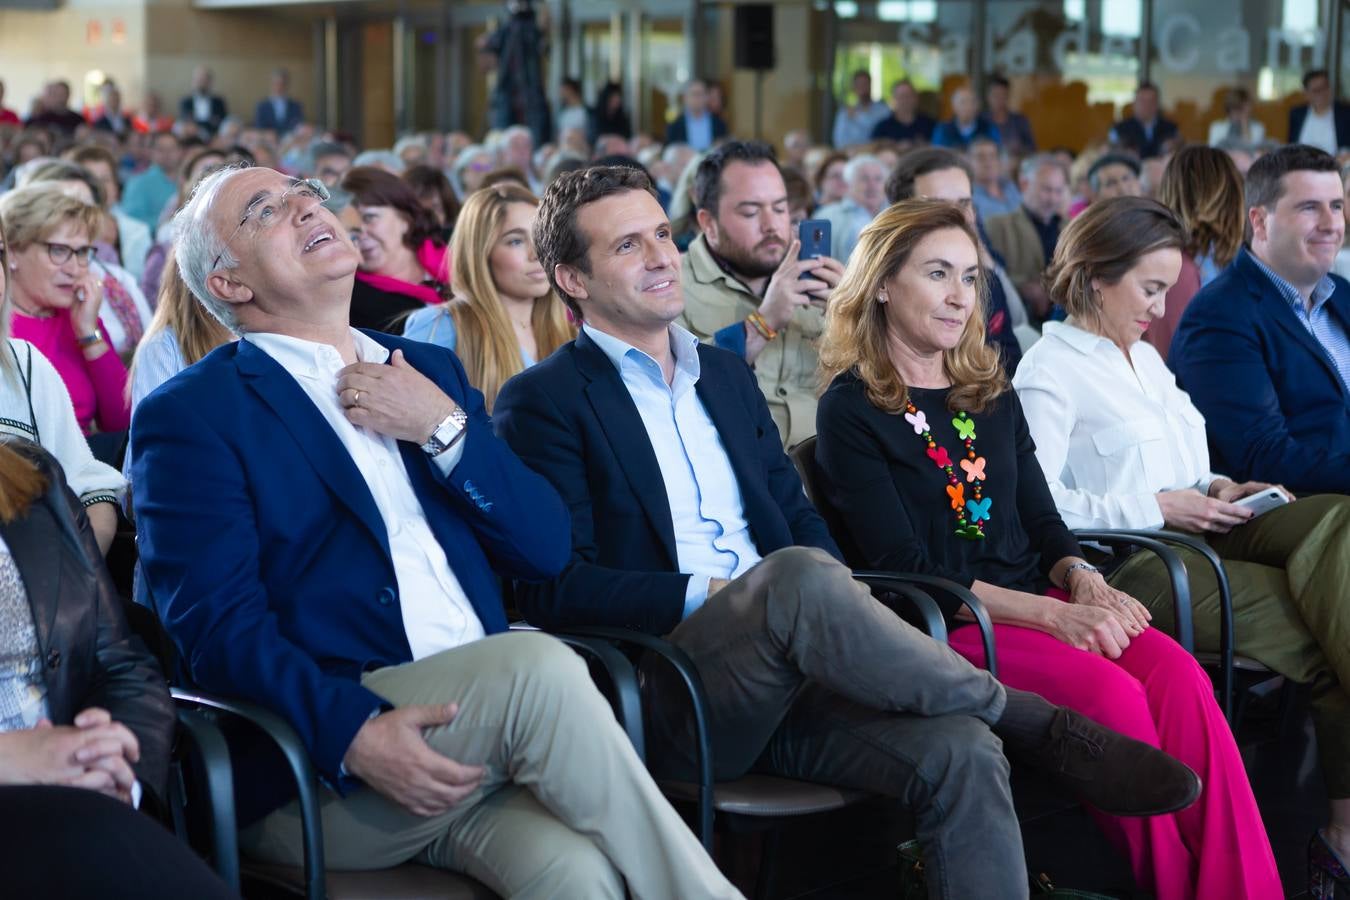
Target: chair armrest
924,605
1227,639
624,697
698,700
932,584
206,737
1176,573
297,757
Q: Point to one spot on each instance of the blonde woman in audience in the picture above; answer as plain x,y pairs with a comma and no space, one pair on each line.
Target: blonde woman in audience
35,406
1123,447
504,315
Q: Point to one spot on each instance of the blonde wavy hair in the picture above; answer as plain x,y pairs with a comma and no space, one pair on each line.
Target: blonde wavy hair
485,341
855,325
1204,188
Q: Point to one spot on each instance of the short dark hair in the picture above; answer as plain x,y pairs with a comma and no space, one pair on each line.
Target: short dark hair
798,190
371,186
558,240
1265,179
1112,159
919,162
430,180
998,81
1147,86
708,177
1315,73
860,73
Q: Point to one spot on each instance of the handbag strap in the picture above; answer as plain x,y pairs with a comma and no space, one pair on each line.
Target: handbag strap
26,376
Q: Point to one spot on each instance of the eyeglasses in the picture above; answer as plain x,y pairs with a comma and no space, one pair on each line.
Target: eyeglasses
60,254
263,212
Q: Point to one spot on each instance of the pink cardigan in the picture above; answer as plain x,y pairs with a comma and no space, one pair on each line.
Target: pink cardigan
1160,333
98,388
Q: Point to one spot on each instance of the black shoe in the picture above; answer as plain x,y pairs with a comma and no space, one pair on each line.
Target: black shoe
1327,875
1116,774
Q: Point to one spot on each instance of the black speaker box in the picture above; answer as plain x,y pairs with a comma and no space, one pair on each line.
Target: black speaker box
754,36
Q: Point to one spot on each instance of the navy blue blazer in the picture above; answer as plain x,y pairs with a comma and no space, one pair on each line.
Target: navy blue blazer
265,116
572,420
1340,115
677,132
1274,404
268,559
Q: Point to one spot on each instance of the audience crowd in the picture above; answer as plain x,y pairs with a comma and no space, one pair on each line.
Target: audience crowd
364,407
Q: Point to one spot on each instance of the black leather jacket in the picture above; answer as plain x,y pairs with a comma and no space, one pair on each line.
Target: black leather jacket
91,656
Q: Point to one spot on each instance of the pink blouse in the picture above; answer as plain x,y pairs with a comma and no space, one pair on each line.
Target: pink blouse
98,388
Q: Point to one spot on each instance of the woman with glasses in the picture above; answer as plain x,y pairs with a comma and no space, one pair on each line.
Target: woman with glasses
56,300
35,406
405,265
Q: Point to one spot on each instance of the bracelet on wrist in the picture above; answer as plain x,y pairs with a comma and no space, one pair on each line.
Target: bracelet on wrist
1077,567
760,324
89,340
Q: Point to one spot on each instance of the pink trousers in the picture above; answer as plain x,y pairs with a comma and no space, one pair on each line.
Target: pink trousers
1156,693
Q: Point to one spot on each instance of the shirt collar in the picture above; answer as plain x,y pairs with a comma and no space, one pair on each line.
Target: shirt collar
1075,335
683,344
1321,293
307,359
707,267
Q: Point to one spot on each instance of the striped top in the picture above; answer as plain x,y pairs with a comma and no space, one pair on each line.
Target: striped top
1321,322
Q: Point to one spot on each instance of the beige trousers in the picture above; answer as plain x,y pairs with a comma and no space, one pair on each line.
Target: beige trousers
565,810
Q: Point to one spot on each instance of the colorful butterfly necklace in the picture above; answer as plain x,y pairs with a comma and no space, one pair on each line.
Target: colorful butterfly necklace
971,514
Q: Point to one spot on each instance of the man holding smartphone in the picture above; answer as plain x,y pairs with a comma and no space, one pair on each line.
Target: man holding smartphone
745,288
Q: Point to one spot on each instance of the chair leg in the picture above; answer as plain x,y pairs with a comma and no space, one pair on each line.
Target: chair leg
766,882
215,758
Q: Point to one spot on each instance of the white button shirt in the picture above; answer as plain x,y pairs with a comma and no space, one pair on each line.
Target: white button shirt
436,612
1109,436
1319,131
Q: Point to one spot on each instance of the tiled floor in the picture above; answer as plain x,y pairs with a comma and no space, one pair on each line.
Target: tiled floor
851,856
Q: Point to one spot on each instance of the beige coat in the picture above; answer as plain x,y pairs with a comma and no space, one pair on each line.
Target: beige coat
787,369
1015,239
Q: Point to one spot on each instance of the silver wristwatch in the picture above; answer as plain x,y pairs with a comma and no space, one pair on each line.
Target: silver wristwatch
1078,567
447,433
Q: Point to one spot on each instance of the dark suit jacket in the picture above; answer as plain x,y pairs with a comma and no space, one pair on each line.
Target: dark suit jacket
1340,113
1130,133
91,657
268,559
103,123
265,115
188,110
677,132
572,419
1274,405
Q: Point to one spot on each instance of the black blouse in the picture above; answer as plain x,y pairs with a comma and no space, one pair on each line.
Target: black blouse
381,310
892,502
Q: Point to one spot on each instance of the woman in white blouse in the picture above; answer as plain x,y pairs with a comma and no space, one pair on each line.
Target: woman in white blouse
1123,447
35,406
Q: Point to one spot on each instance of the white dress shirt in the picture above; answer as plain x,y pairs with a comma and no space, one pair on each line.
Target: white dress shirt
1319,130
712,537
436,613
1109,436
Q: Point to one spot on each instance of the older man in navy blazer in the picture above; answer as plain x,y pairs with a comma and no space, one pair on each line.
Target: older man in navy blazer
1264,349
688,520
324,514
278,111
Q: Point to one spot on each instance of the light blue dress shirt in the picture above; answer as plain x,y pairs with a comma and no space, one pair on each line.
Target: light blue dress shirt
712,537
1320,321
698,131
434,325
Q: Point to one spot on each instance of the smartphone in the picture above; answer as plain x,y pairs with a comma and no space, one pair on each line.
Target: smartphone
1263,501
815,237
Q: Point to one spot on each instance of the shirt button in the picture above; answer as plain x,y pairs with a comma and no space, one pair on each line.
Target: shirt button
54,659
782,391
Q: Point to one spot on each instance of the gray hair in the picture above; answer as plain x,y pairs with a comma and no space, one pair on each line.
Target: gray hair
197,245
852,167
503,137
1037,161
462,161
385,159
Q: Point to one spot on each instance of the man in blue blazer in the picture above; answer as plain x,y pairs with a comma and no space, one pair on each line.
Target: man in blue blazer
1320,122
1264,349
324,514
278,111
688,520
696,125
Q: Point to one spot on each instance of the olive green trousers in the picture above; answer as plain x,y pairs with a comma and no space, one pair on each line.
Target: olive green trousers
1289,574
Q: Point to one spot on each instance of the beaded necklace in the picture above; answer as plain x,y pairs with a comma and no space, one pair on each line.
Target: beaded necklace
971,514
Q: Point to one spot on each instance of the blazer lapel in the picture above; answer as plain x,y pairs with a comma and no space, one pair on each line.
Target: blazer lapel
627,435
1287,319
312,433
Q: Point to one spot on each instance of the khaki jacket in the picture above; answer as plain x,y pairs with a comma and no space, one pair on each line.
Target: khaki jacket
1015,239
787,369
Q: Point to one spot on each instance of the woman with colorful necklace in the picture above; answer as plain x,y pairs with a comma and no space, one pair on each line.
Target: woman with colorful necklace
929,465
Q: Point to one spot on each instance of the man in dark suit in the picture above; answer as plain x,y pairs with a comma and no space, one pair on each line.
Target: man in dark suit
201,106
324,514
1319,122
688,520
1145,132
696,126
1264,349
278,111
112,118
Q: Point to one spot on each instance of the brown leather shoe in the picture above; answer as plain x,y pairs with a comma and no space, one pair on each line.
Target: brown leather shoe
1118,775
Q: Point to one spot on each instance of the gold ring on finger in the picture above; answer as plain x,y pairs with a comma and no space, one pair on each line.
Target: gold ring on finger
356,399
